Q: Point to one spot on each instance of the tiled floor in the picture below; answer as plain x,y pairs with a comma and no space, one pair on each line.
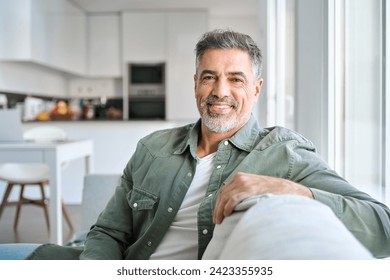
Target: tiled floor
32,226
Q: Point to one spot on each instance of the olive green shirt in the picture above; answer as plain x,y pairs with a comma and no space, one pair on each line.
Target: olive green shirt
160,171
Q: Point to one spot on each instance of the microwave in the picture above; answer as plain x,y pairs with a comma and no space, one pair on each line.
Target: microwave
146,79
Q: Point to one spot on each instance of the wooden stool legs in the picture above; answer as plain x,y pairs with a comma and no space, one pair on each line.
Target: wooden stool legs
38,202
66,216
4,202
18,205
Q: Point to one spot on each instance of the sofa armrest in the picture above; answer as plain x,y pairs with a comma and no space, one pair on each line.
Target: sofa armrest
97,190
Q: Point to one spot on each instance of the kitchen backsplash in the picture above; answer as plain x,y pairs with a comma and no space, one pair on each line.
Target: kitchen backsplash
45,108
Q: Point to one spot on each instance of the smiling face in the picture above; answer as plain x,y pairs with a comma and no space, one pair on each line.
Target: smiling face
225,89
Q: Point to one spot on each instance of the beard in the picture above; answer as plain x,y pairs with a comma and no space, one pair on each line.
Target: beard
220,123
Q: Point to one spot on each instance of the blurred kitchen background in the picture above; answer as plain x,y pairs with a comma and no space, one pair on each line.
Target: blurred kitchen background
116,70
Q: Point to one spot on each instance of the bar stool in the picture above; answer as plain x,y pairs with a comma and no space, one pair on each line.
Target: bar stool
24,174
35,174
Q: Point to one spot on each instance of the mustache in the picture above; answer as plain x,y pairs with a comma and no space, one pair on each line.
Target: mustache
228,100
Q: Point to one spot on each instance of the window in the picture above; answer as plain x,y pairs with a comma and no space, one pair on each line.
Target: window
358,101
327,79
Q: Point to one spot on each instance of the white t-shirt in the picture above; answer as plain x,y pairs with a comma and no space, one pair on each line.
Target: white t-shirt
181,240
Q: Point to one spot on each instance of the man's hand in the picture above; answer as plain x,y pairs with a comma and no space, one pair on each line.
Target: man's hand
244,185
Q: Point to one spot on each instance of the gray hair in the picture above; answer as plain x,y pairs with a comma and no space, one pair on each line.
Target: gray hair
227,39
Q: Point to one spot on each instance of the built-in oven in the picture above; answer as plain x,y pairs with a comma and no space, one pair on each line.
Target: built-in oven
146,90
147,107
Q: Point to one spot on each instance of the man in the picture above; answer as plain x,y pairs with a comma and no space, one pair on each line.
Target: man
182,182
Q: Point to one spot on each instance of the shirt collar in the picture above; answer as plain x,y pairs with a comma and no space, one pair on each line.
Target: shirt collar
191,141
243,139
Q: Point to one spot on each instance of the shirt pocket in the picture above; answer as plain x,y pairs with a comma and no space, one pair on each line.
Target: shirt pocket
143,205
140,200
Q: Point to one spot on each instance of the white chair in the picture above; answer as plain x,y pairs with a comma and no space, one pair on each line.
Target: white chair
36,174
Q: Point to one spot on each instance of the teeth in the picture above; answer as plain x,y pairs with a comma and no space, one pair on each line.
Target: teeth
221,106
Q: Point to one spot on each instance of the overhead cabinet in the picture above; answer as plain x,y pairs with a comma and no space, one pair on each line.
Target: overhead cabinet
103,55
51,33
144,36
15,30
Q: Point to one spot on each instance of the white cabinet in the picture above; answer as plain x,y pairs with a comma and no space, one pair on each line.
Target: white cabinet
170,37
59,35
144,36
48,32
103,56
15,22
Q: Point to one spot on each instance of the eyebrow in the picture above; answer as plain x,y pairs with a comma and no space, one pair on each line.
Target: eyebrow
204,72
234,73
238,73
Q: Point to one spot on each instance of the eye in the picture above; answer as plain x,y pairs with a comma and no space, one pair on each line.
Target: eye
208,77
237,80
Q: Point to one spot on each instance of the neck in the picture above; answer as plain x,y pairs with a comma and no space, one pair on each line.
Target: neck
209,140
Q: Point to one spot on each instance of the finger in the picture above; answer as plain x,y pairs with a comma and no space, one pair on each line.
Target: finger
218,210
226,203
223,195
231,204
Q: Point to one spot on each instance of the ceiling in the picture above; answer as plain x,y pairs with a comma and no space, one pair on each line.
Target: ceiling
215,7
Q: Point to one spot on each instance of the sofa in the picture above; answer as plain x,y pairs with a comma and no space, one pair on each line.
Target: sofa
263,226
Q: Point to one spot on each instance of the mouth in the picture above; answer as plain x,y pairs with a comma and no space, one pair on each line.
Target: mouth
220,106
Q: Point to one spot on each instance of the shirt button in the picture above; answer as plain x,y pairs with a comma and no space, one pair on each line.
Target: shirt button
218,167
210,195
170,209
226,143
189,174
149,243
205,231
135,205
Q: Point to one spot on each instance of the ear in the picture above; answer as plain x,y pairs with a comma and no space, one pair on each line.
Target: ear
195,79
259,84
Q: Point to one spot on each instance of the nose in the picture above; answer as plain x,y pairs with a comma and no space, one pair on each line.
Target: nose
221,88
